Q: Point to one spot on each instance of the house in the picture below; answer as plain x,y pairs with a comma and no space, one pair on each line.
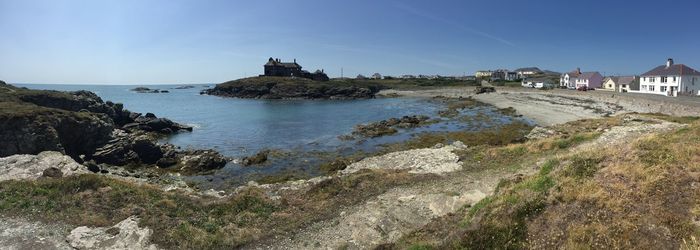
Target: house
360,77
671,80
538,83
511,76
483,73
577,79
589,80
275,67
621,83
376,76
523,73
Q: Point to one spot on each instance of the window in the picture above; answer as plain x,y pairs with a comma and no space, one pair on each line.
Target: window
674,79
644,78
651,87
652,79
664,79
663,88
644,87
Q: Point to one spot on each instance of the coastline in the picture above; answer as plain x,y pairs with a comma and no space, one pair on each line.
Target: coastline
413,187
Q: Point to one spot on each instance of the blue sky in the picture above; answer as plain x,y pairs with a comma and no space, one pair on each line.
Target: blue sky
148,41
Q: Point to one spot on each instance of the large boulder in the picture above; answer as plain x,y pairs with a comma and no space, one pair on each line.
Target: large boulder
31,167
124,235
147,150
201,161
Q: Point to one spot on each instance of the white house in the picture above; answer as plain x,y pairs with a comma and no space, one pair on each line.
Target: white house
670,80
621,83
538,83
483,73
527,72
376,76
577,79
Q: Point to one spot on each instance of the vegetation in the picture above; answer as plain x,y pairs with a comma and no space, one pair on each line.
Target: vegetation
634,194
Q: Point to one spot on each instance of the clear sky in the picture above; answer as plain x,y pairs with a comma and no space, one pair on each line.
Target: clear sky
173,41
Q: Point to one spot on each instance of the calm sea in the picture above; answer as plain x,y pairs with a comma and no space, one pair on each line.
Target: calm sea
240,127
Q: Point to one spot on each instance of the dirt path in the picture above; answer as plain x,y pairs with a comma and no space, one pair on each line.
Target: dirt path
389,216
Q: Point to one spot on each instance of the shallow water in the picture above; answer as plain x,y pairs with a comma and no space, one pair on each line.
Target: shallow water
304,128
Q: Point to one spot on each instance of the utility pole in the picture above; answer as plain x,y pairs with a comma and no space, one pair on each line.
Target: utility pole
341,72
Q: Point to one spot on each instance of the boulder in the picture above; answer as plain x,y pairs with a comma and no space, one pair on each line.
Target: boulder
166,162
147,150
258,158
484,89
124,235
201,160
31,167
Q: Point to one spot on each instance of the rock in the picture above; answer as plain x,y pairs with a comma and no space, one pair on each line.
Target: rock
388,127
31,167
124,235
540,133
166,162
145,90
3,83
292,88
92,167
52,172
117,152
484,89
419,161
258,158
201,160
71,133
164,91
147,150
184,87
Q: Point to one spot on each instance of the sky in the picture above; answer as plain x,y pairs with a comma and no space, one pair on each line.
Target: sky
210,41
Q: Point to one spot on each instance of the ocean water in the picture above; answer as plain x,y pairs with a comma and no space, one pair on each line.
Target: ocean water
302,128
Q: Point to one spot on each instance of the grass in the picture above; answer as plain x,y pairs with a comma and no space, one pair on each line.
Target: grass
637,193
181,220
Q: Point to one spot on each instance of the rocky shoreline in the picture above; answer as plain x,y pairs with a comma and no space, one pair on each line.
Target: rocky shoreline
97,134
292,88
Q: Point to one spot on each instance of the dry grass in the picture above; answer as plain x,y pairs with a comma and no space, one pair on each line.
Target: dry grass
642,193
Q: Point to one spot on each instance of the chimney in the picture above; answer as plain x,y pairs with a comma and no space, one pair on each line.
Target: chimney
669,62
578,70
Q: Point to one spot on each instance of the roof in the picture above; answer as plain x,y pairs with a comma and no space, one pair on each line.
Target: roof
272,62
545,80
675,69
535,69
587,75
573,73
622,79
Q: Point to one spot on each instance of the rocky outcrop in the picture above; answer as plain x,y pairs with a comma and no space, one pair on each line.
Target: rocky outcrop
258,158
75,123
127,149
37,130
148,90
389,126
291,88
194,161
439,159
48,164
124,235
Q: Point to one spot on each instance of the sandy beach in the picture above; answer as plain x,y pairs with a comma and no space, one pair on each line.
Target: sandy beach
558,106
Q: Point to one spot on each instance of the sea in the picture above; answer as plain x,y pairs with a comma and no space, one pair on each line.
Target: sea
301,131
